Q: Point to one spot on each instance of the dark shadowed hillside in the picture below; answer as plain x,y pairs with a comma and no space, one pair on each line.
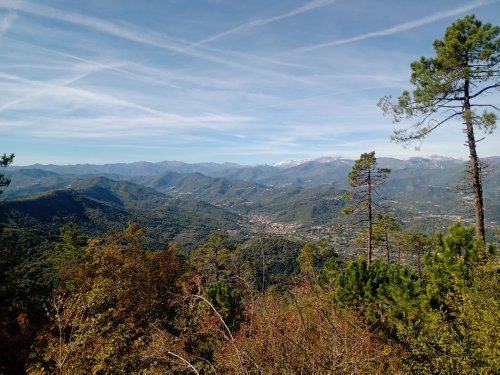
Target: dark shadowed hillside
100,204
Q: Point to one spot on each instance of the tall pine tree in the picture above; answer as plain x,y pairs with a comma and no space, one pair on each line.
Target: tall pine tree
364,179
452,86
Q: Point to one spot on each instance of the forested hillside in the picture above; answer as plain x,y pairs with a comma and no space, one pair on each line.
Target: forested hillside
307,204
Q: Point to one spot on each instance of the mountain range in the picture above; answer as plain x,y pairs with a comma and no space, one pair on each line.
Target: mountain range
185,202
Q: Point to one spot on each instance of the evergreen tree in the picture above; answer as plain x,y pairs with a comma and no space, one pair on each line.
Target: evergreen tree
453,259
364,179
227,301
5,161
386,294
451,86
415,245
383,226
211,259
459,329
313,256
68,256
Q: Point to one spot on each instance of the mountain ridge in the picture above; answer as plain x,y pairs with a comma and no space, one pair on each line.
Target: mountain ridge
296,198
185,167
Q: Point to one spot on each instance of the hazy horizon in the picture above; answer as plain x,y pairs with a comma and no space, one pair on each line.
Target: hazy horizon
324,158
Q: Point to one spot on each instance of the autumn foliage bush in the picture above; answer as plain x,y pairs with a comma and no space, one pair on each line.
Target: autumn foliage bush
303,332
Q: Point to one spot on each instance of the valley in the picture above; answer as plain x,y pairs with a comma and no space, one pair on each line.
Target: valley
173,200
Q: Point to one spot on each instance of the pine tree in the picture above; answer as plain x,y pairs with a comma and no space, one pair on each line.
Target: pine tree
211,259
364,179
452,86
383,226
5,161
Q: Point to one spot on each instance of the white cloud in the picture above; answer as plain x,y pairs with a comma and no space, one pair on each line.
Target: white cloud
52,103
7,21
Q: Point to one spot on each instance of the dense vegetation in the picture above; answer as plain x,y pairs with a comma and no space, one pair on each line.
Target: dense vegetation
112,305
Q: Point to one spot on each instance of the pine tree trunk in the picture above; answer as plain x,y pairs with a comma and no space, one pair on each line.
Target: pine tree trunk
419,263
399,252
263,264
216,264
370,224
477,188
387,248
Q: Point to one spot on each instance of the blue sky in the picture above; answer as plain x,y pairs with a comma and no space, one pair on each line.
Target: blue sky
252,82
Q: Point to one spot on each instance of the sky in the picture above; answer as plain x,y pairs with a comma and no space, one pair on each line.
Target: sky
251,82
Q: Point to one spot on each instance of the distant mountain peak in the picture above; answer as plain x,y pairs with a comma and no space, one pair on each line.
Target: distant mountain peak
432,157
289,163
296,162
328,159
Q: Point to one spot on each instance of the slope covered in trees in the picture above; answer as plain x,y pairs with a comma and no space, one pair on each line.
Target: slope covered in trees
114,305
415,190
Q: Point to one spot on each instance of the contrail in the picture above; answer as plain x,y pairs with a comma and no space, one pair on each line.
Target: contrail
399,28
265,21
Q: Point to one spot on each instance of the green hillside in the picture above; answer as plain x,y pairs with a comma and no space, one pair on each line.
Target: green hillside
99,204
